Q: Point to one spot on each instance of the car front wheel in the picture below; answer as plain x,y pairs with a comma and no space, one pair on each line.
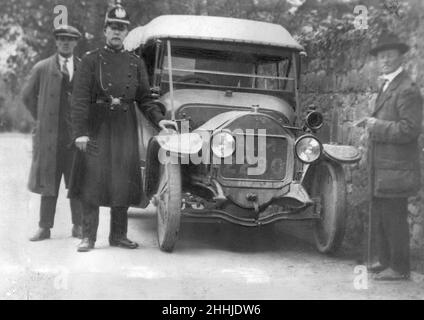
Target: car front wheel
329,187
168,204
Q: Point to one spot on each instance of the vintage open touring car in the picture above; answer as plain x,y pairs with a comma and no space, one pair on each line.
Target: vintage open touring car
246,150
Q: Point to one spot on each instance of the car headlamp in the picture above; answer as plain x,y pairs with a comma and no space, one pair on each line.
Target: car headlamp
308,149
223,144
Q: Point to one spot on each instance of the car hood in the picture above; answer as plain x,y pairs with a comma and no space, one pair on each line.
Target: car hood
236,101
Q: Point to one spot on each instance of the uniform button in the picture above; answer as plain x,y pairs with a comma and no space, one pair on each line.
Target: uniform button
109,84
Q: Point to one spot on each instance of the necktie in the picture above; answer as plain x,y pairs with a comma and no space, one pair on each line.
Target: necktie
65,70
384,87
383,84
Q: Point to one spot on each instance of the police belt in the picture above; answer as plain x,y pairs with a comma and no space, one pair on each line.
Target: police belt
115,103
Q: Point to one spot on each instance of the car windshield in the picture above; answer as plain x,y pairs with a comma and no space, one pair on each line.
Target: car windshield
229,69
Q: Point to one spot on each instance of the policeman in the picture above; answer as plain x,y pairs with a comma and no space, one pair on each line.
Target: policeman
108,85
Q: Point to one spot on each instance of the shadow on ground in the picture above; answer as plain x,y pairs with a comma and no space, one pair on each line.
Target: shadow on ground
279,238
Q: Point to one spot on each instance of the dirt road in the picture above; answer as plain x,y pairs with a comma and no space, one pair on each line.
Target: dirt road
217,261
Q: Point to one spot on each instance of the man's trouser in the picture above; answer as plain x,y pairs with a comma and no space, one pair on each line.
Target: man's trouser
48,203
392,232
90,222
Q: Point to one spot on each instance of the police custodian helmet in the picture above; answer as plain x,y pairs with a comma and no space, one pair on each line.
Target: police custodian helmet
117,14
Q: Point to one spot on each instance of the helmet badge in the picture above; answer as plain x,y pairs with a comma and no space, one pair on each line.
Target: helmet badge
120,13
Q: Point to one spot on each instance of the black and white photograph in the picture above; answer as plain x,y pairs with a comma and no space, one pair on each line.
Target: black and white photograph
224,152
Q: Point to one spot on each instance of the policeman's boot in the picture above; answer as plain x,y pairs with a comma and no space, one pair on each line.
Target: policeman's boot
89,232
41,234
118,229
85,245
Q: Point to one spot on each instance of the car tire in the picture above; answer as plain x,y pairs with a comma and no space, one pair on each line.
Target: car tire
168,206
329,186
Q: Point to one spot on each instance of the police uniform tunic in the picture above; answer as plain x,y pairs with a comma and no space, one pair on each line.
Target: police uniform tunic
106,86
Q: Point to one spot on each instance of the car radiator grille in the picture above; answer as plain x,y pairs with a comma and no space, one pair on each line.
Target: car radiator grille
272,164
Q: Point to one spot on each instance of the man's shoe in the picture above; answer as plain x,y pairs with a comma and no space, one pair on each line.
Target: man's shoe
390,275
77,231
85,245
123,243
376,267
41,234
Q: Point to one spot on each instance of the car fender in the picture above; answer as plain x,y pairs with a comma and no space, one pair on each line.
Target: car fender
337,154
158,152
341,153
180,143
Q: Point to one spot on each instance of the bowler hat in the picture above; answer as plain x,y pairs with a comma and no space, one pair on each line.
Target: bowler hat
388,41
67,31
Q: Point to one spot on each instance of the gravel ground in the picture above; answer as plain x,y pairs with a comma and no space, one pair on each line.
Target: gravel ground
211,261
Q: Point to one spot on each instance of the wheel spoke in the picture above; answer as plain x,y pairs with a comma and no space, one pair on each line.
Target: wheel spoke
163,190
169,204
163,185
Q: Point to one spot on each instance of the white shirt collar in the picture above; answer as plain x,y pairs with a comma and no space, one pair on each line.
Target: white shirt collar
62,59
388,78
392,75
70,64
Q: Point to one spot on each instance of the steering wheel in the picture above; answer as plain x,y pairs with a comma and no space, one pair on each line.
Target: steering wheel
195,79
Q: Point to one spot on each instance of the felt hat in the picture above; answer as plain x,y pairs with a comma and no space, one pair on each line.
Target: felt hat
387,41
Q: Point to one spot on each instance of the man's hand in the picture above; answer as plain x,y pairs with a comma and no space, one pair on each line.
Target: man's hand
165,124
366,122
81,142
370,122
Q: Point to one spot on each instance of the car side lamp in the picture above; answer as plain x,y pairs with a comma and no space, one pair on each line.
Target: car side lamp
314,119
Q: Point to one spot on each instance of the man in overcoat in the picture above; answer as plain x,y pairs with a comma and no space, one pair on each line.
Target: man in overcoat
394,128
47,97
110,83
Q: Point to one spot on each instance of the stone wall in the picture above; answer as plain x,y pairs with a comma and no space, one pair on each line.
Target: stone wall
340,77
